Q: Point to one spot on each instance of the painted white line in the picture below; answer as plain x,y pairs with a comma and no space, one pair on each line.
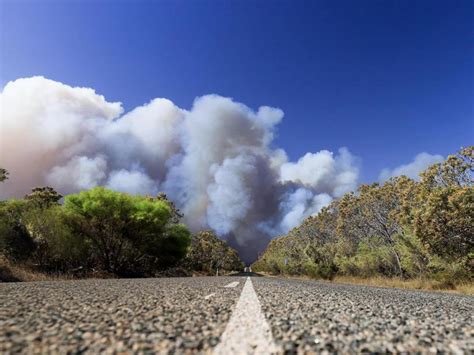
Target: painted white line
247,331
232,284
209,295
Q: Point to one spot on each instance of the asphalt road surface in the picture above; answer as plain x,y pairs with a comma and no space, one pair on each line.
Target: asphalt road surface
224,315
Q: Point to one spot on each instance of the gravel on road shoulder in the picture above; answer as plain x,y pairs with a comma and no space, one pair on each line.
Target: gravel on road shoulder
114,316
319,317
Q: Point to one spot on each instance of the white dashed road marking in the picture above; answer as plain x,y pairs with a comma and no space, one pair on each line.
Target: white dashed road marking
247,331
232,284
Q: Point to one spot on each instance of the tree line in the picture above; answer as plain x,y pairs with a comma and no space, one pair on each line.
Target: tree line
100,230
401,228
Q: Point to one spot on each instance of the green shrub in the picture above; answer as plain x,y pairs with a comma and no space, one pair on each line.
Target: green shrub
401,228
16,242
58,249
209,253
373,257
130,235
414,256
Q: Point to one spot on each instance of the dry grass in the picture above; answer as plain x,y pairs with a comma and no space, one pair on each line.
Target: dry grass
414,284
466,288
23,274
10,272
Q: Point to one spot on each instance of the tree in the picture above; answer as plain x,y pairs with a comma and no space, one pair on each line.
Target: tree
372,214
445,223
39,221
400,228
176,214
280,252
44,197
16,242
444,216
208,253
320,228
130,235
456,171
3,174
57,248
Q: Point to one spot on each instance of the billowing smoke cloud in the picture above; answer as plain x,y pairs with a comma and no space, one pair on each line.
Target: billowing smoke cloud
412,169
216,161
322,172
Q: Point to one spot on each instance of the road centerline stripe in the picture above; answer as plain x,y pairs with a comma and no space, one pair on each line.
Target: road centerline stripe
232,284
247,331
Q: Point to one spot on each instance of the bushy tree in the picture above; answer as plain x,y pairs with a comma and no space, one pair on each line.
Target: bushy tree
444,216
44,197
41,223
445,223
283,255
208,254
456,171
371,216
57,248
176,214
129,234
16,242
33,231
96,229
399,228
272,259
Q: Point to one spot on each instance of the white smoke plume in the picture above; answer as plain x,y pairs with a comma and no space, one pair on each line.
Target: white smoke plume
216,161
412,170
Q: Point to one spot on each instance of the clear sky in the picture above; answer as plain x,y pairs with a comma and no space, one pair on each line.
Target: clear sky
387,79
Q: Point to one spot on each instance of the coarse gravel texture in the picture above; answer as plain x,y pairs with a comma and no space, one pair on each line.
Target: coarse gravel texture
116,316
317,317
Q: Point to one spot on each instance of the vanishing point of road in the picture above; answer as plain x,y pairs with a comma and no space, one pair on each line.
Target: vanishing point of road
227,315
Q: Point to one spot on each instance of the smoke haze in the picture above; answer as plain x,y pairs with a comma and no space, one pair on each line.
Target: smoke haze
412,170
216,161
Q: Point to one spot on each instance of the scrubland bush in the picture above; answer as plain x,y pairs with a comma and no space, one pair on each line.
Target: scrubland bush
16,242
129,234
402,228
208,253
101,231
98,229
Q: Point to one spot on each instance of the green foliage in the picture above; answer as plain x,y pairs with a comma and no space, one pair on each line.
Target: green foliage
445,222
34,230
414,256
373,257
176,214
209,253
401,228
171,247
16,242
57,248
97,229
130,235
44,197
443,218
456,171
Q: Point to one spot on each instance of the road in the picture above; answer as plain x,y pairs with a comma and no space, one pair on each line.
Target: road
223,315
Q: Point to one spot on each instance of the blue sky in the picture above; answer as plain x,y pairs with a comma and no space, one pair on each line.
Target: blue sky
387,79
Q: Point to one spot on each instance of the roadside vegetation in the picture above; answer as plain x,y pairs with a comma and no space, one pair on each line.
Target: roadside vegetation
210,255
410,232
102,233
